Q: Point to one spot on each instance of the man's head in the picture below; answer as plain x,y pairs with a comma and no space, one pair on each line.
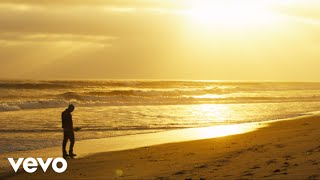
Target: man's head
70,107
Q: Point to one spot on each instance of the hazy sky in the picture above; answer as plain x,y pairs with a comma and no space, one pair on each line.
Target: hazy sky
160,39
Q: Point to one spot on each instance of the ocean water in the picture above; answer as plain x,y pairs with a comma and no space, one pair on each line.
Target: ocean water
30,111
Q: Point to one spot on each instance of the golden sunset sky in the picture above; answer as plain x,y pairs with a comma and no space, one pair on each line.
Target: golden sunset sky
160,39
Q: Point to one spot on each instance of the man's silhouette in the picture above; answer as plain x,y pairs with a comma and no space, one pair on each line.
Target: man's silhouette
68,133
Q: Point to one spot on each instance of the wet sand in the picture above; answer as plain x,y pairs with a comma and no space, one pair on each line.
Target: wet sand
282,150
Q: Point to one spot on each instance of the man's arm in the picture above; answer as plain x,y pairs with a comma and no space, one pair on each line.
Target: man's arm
62,120
71,122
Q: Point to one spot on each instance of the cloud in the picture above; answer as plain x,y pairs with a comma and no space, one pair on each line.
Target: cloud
300,11
121,5
18,7
106,7
15,39
118,3
304,20
64,38
106,20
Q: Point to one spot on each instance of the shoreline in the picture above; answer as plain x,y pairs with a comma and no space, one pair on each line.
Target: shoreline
271,144
88,147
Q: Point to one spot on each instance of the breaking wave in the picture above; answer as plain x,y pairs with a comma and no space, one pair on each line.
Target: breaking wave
20,95
90,101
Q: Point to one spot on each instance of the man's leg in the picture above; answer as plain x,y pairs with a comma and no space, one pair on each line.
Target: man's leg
71,137
64,143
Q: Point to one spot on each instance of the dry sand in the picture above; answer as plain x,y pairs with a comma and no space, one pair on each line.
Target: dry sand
283,150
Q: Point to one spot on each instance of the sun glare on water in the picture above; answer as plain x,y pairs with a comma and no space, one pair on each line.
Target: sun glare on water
221,130
231,14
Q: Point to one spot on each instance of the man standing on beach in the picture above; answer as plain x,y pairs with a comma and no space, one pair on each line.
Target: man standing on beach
68,133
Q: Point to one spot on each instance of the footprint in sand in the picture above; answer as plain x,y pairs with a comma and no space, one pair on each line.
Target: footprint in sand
271,161
190,154
147,157
162,178
288,157
228,175
315,149
280,146
257,148
282,171
156,160
313,162
247,173
313,177
180,172
223,161
277,171
255,167
202,166
286,163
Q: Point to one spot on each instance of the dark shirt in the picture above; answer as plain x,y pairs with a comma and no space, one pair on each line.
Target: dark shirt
67,123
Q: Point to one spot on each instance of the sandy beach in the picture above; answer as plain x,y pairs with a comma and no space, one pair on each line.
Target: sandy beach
160,89
282,150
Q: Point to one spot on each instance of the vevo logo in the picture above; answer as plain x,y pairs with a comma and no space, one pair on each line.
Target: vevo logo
30,165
